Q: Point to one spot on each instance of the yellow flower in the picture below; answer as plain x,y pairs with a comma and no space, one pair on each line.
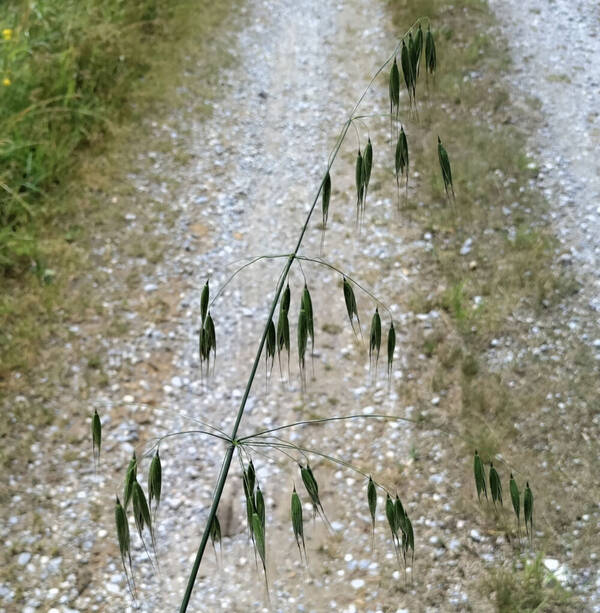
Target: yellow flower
6,81
7,33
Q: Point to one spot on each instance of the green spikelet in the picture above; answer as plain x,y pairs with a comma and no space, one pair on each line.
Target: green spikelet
141,511
302,339
391,346
259,543
204,302
251,478
412,57
418,50
479,472
249,499
360,184
215,533
350,301
528,510
260,506
297,523
410,536
372,501
284,303
124,539
407,71
270,345
515,497
366,170
312,487
399,514
283,335
259,536
308,308
155,481
394,89
325,199
96,437
390,513
445,168
430,55
210,331
130,477
402,161
375,337
495,485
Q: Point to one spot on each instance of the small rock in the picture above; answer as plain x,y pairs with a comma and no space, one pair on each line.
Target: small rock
357,583
454,545
23,558
475,536
466,247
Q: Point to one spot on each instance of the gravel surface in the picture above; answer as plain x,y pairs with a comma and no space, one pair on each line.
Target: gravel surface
256,163
555,48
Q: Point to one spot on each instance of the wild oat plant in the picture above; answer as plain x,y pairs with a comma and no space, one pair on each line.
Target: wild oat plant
276,340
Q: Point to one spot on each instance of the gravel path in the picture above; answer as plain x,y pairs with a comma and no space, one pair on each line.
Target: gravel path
301,65
555,48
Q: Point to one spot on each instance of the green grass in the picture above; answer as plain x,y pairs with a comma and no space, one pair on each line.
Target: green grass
527,588
69,70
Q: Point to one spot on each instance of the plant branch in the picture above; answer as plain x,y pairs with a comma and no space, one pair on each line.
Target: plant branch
229,454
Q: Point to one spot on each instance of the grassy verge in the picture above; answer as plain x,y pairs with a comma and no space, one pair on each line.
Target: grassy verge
493,273
80,84
67,71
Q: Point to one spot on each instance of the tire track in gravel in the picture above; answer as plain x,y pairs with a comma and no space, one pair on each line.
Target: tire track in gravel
555,50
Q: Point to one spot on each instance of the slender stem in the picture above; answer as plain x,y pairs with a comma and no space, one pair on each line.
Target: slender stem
227,463
308,422
305,258
157,441
227,460
304,450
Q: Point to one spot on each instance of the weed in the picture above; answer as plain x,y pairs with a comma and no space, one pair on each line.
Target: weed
526,587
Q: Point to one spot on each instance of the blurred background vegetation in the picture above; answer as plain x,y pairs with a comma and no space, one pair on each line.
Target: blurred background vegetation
67,69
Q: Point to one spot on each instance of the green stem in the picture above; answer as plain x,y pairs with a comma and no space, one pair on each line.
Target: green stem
305,258
308,422
229,454
227,462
